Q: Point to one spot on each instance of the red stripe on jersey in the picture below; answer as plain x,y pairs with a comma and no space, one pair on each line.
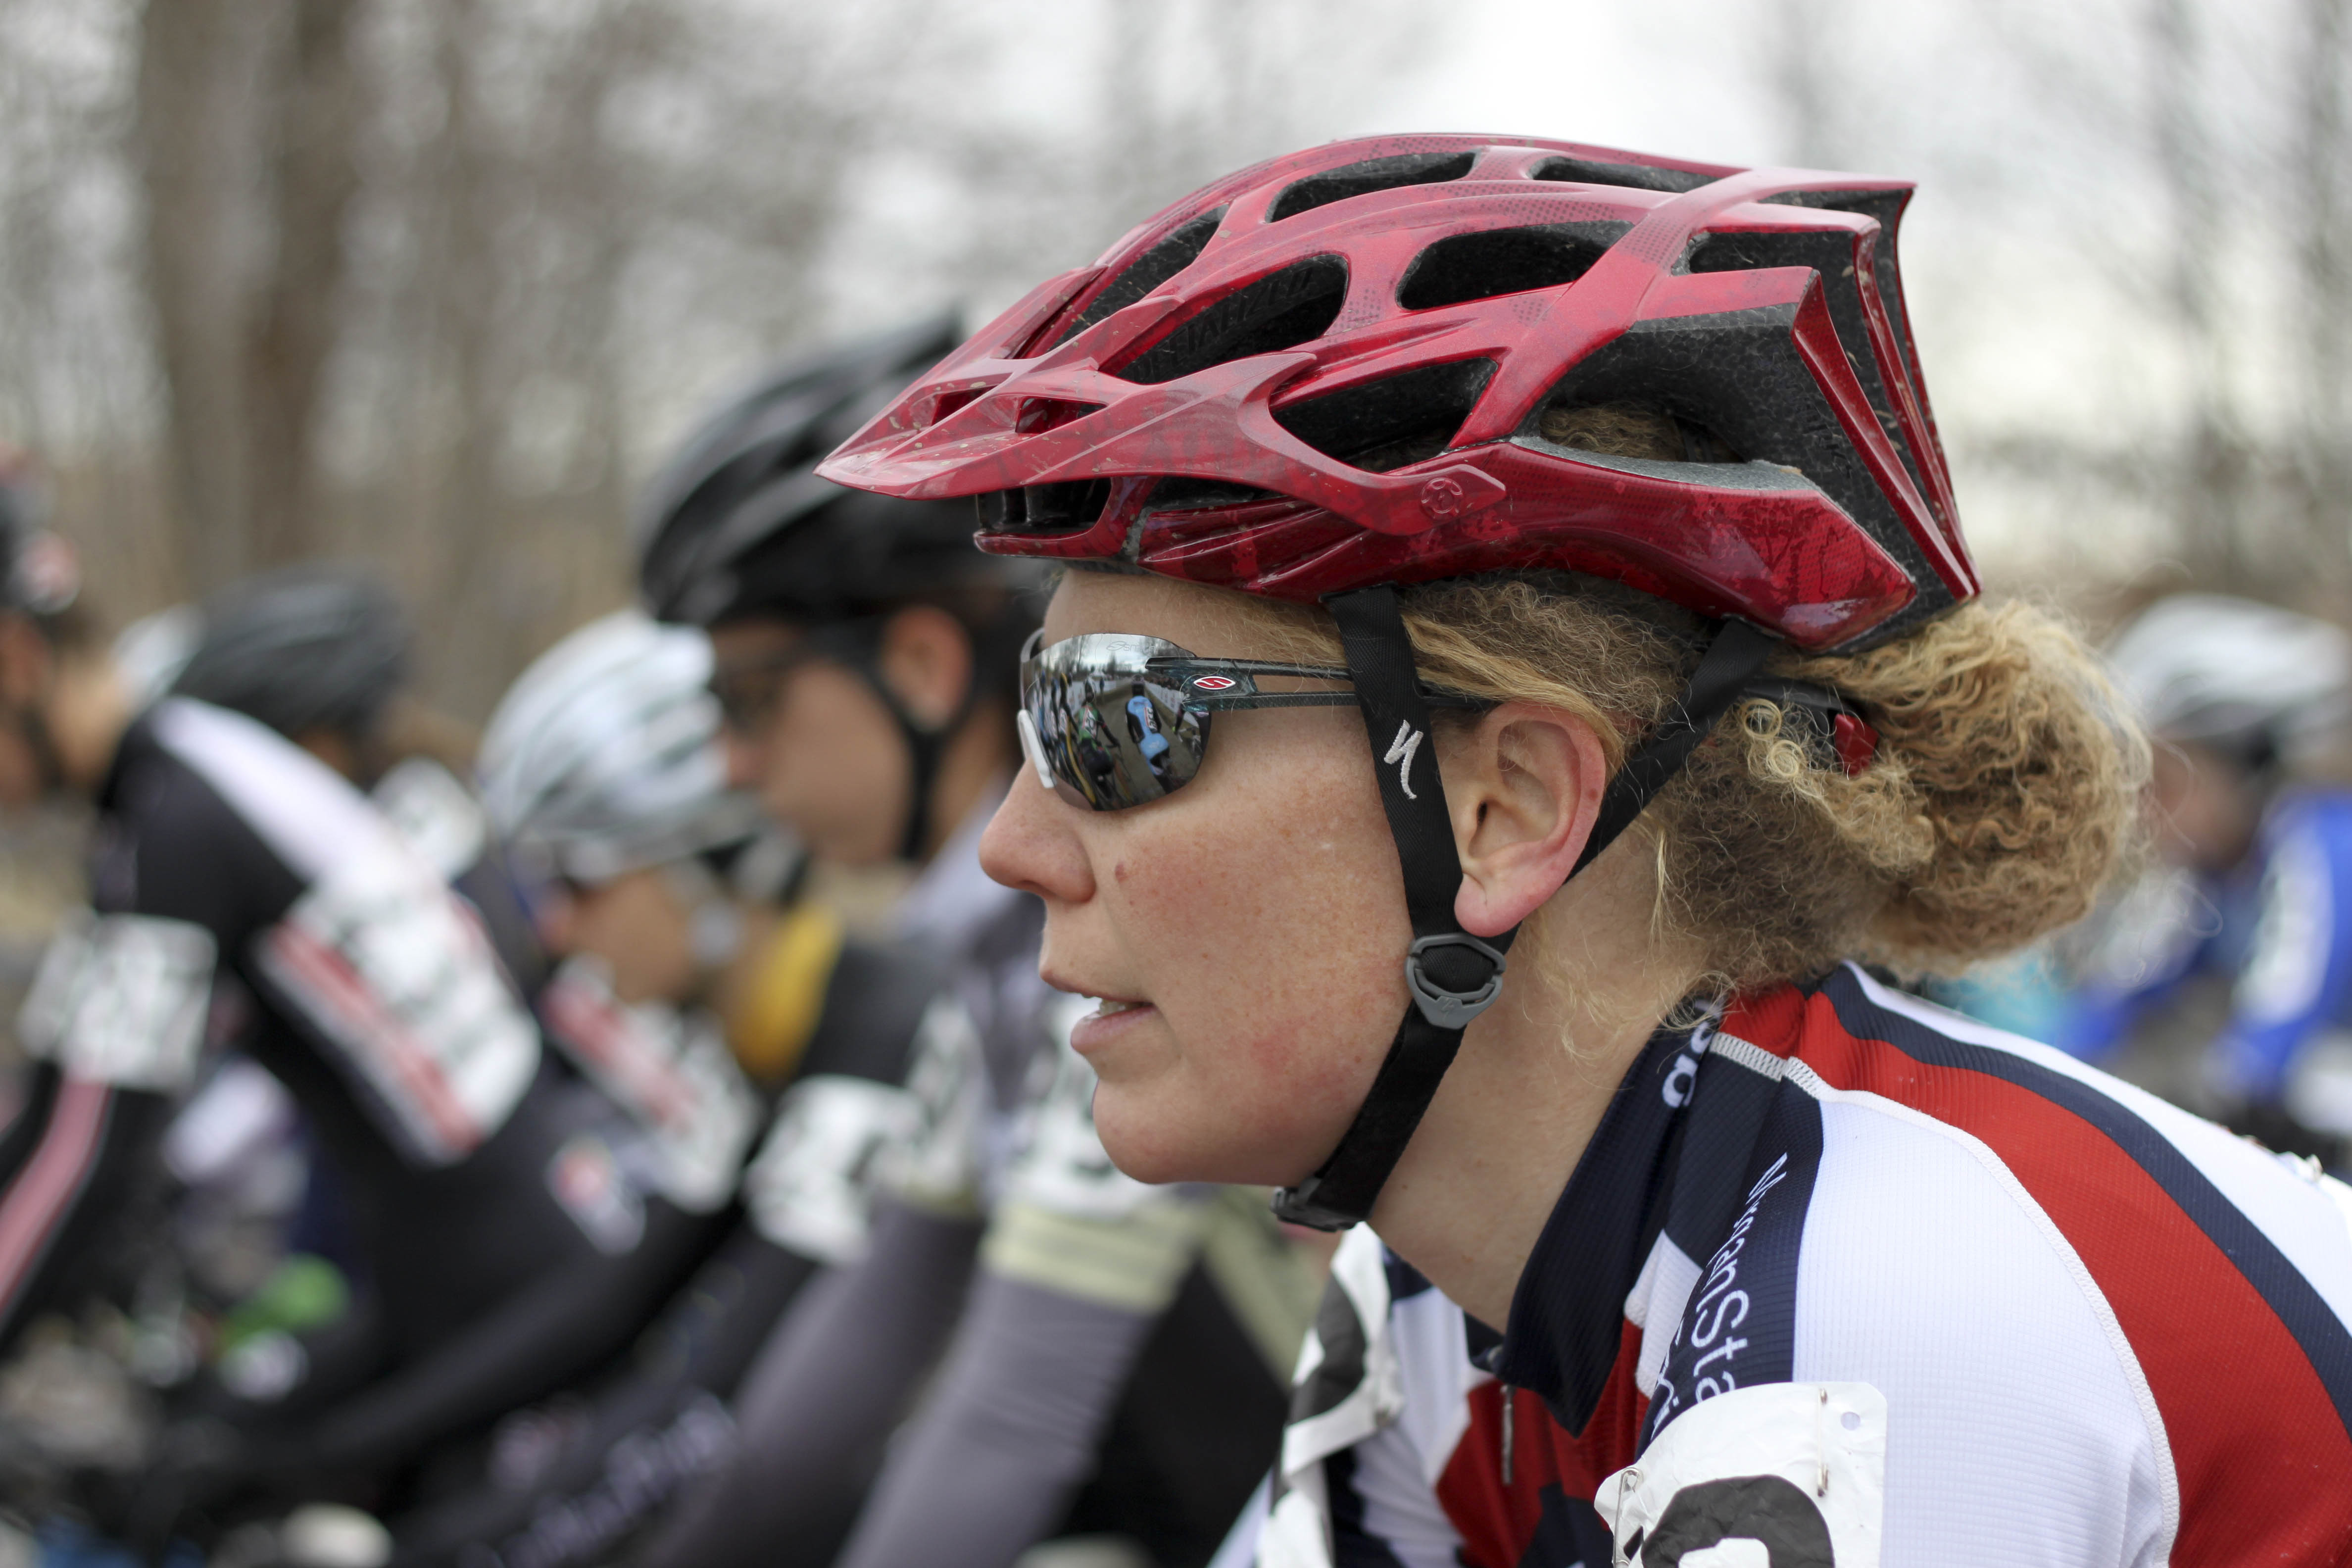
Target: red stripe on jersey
1496,1519
44,1192
2263,1461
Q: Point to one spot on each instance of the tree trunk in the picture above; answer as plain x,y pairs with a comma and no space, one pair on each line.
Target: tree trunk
2209,511
190,156
2322,255
314,174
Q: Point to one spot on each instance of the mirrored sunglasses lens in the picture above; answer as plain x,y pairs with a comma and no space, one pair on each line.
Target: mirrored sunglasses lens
1113,736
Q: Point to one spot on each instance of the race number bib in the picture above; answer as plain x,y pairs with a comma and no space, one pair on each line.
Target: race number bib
1780,1473
385,962
121,999
810,1188
938,1165
433,814
1060,1164
670,1071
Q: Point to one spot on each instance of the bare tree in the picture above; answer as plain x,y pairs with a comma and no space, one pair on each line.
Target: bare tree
2325,267
191,90
2210,477
317,108
432,281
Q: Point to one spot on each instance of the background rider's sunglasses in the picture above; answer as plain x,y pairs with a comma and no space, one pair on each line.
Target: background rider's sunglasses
747,688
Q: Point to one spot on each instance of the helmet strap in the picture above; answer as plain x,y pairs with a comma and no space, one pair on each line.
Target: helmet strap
1454,976
927,744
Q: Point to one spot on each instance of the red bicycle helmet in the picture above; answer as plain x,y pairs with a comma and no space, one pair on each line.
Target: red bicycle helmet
1329,370
1329,375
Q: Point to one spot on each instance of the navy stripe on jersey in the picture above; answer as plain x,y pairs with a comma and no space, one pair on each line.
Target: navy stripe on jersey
1740,1327
1568,1314
1728,1105
2316,1329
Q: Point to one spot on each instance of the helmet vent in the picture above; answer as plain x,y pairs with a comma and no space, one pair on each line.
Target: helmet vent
1386,424
1185,490
1363,179
1632,430
1480,266
1280,311
1039,414
1180,249
1639,177
1070,507
946,404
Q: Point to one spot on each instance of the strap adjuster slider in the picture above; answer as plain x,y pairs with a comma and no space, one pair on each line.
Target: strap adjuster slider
1442,1006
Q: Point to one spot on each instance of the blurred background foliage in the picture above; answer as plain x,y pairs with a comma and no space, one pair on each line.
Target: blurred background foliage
434,282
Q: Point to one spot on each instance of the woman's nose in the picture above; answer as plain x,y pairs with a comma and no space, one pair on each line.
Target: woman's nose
1031,844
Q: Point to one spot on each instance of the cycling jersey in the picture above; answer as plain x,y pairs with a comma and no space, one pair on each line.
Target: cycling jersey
1864,1281
509,1225
573,1478
2296,980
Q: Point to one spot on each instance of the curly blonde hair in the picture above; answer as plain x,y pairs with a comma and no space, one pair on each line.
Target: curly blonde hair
2003,795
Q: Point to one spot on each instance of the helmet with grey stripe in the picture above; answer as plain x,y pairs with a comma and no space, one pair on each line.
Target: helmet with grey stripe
604,757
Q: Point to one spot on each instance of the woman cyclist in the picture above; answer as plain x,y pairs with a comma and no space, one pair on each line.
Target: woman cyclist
1599,491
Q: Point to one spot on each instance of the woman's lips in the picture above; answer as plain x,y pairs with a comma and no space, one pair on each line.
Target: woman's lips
1108,1022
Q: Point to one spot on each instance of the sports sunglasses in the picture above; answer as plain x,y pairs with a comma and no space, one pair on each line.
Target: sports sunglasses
1111,720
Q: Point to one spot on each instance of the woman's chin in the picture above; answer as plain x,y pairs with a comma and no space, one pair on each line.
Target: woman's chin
1161,1147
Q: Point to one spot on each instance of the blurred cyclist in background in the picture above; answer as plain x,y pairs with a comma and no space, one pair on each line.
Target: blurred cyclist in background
603,775
317,653
1112,1353
248,895
2233,930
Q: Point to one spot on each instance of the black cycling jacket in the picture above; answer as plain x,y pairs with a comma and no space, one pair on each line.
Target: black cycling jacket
503,1230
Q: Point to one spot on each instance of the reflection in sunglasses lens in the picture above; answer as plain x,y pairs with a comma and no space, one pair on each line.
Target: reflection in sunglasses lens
1113,734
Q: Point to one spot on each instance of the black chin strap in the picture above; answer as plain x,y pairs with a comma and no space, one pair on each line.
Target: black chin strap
926,744
1453,975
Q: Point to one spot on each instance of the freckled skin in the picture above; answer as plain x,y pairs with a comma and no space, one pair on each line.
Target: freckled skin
1258,910
1257,916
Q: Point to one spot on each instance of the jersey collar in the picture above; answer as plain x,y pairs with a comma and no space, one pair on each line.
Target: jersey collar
1660,1181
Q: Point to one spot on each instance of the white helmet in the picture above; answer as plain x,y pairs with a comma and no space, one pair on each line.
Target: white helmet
2233,674
604,756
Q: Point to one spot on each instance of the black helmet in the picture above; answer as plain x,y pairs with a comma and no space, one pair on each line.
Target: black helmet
303,648
739,525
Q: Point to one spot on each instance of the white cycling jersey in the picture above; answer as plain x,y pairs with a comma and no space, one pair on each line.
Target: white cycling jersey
1857,1280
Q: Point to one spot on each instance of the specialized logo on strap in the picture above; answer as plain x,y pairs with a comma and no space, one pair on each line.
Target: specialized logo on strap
1401,750
121,999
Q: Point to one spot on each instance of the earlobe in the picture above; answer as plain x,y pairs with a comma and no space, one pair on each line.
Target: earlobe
1524,786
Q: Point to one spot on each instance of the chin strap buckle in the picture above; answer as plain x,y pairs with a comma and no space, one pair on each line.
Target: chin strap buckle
1442,998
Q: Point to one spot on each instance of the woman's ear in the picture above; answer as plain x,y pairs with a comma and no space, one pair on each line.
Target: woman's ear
1523,784
927,659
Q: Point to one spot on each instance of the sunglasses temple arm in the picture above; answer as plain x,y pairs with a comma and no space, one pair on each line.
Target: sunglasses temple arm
1033,747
